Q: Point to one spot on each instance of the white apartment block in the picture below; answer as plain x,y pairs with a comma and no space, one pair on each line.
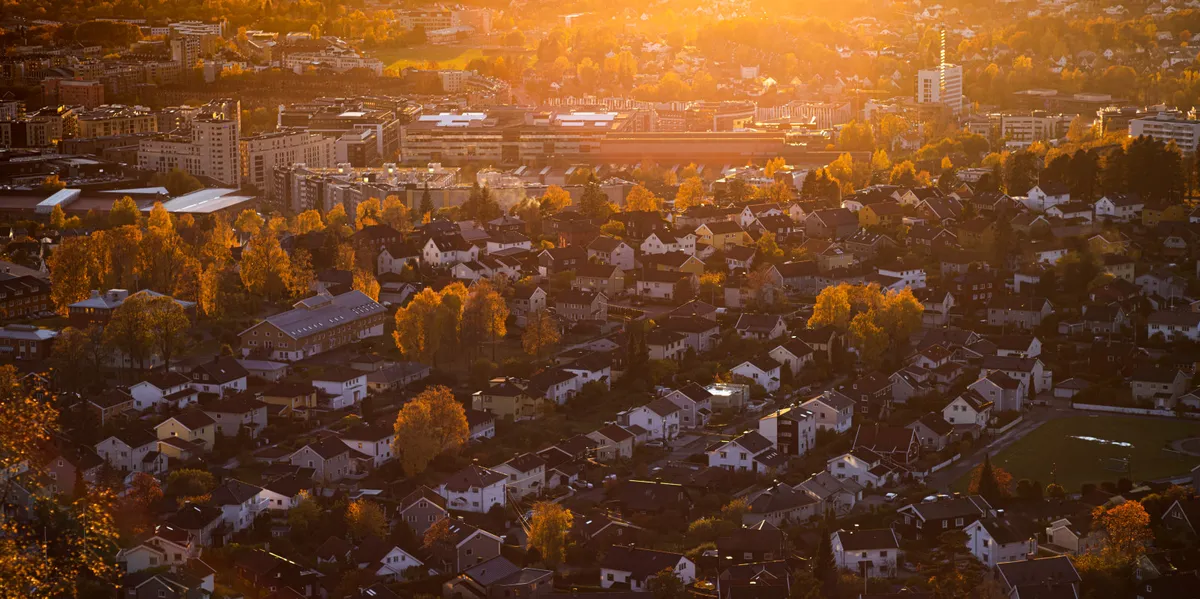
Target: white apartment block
210,151
338,61
1024,129
929,86
260,155
1168,126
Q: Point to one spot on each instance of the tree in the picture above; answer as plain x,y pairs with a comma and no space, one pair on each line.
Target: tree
992,484
431,424
308,221
249,222
167,324
439,539
832,308
904,174
52,184
690,193
137,506
768,249
773,166
300,276
868,338
71,272
58,218
69,359
1055,491
900,315
485,315
124,212
190,482
593,203
548,531
369,212
666,585
365,519
541,333
825,567
365,282
1127,526
554,200
208,294
396,215
265,266
1020,172
641,199
416,327
306,513
426,201
955,572
128,331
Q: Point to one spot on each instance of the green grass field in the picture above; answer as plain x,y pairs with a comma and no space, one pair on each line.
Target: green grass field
446,56
1054,447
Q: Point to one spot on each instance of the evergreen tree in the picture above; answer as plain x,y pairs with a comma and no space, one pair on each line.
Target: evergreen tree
426,201
988,489
825,568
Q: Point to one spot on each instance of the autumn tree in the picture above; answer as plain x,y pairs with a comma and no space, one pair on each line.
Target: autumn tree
593,202
431,424
249,222
832,308
124,211
641,199
69,357
416,327
114,257
167,325
137,506
59,545
365,282
368,213
365,519
900,315
768,249
71,272
128,330
439,538
58,218
666,585
1126,526
548,531
309,221
554,200
300,276
306,513
485,315
208,293
868,338
541,333
690,193
396,215
264,266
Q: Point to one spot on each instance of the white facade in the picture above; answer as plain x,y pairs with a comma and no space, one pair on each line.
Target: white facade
1168,126
909,277
345,393
989,552
881,561
1118,210
260,155
380,450
475,499
929,86
212,151
769,379
656,244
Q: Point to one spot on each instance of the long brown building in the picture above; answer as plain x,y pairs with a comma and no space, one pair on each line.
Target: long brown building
316,324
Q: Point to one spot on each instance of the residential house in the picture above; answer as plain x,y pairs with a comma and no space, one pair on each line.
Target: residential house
633,567
834,223
576,305
763,370
132,450
607,279
373,440
507,398
1045,195
1031,577
793,354
779,505
170,389
1076,535
870,552
447,250
1161,385
1121,208
235,413
663,241
1021,312
329,458
749,452
340,388
221,375
292,400
862,466
110,404
763,327
660,418
611,251
932,431
837,496
899,445
722,235
613,443
526,474
1002,391
996,540
1030,371
474,489
791,429
466,546
240,503
665,285
929,519
695,404
193,427
422,509
1172,325
833,410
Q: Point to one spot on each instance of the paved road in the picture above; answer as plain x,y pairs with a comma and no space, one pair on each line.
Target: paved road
1037,416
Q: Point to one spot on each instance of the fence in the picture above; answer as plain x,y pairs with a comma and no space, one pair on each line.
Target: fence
936,467
1007,427
1134,411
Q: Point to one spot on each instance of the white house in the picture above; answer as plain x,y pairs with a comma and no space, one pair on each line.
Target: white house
661,242
1030,371
221,375
763,370
1174,324
968,409
834,411
750,452
375,441
526,475
1045,195
634,567
862,466
341,387
1121,208
910,276
393,257
448,250
170,389
878,549
611,251
240,503
695,402
167,546
993,541
474,489
660,418
1005,393
793,354
133,450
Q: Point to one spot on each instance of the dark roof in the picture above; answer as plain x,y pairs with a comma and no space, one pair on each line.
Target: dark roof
757,322
329,447
968,506
614,432
863,540
424,492
640,563
936,423
881,438
222,369
525,462
1034,572
777,498
194,517
234,491
368,432
472,476
193,419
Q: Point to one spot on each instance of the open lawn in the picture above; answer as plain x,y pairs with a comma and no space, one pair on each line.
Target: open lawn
1081,450
446,56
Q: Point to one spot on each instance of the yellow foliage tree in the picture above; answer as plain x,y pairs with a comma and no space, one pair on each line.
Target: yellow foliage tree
690,193
431,424
869,339
365,519
248,221
368,213
641,199
308,221
831,309
548,530
365,282
541,334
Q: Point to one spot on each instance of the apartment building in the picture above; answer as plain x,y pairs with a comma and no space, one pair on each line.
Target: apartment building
260,154
941,85
116,119
209,149
509,137
1168,126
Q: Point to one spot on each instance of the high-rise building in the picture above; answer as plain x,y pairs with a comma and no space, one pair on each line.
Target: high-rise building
260,155
941,85
208,149
116,120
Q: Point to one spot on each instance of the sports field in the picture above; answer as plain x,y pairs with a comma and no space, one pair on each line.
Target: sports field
454,57
1083,449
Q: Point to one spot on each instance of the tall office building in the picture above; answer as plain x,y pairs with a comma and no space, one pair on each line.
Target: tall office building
262,153
930,84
